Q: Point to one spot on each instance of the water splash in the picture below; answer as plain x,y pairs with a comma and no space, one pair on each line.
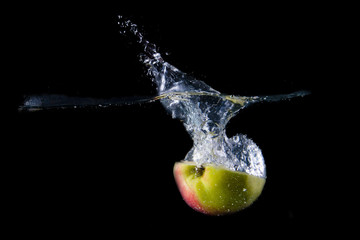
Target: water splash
204,112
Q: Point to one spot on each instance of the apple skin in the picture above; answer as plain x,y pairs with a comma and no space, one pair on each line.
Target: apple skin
214,190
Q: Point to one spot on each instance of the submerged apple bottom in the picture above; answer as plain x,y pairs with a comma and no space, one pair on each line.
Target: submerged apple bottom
214,190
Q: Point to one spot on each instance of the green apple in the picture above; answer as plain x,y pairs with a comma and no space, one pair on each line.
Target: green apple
215,190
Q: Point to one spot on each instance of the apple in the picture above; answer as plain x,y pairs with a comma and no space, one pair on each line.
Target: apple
215,190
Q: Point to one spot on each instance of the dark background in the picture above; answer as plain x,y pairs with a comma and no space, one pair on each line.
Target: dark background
110,170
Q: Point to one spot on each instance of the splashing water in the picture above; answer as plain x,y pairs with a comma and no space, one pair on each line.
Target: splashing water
203,110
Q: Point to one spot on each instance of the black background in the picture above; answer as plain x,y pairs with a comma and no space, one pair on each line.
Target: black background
109,171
